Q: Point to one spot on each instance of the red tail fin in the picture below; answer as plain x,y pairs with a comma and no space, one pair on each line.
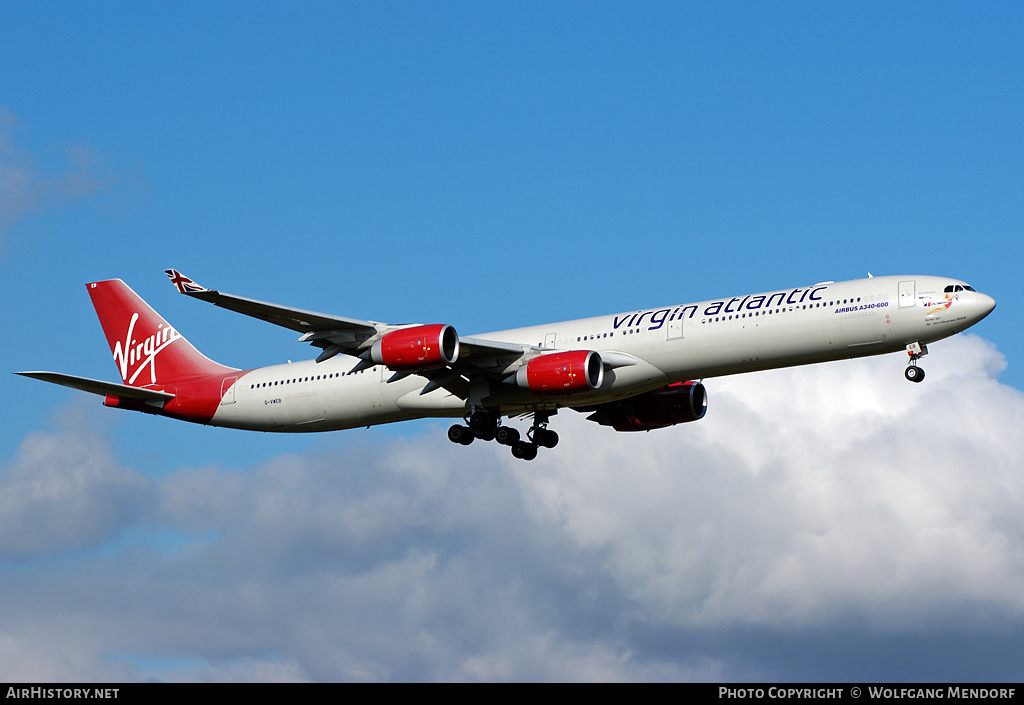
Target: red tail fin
147,350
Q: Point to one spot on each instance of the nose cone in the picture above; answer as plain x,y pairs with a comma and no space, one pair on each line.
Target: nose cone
989,304
980,306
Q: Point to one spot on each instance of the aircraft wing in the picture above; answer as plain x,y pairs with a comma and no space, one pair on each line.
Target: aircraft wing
294,318
100,387
334,334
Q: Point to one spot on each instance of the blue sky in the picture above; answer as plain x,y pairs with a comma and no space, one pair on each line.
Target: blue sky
489,166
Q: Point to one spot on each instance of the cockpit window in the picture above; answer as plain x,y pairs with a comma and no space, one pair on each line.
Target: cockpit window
953,288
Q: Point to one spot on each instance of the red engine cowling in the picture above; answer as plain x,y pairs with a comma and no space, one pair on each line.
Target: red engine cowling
562,372
679,402
418,348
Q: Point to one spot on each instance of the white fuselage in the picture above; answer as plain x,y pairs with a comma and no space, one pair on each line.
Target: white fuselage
828,321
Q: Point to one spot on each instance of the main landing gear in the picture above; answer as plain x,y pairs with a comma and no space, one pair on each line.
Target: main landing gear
913,372
486,426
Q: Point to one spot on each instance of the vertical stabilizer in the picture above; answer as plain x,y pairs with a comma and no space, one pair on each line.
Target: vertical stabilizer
146,349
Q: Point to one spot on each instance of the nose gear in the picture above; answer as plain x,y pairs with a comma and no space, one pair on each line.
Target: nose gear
914,373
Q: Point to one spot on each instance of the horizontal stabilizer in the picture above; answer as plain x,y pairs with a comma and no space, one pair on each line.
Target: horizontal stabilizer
100,387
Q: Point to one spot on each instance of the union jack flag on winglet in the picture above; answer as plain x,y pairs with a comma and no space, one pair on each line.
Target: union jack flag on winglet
184,284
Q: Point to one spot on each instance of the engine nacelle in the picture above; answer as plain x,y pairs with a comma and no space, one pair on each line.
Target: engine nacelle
679,402
417,348
562,372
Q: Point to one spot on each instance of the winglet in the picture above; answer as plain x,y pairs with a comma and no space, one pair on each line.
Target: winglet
183,283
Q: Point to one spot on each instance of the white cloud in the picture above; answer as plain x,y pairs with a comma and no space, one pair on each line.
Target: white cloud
65,490
813,492
828,503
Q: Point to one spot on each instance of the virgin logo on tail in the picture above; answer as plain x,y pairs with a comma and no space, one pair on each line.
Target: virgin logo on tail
143,354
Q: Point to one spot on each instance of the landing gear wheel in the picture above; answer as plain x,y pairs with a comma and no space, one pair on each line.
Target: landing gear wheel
914,374
460,434
482,421
545,437
483,424
524,450
916,351
539,434
506,436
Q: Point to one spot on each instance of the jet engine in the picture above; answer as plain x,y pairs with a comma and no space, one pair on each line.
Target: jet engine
562,372
417,348
679,402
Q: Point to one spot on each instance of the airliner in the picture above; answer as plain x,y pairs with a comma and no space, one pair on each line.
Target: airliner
634,371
